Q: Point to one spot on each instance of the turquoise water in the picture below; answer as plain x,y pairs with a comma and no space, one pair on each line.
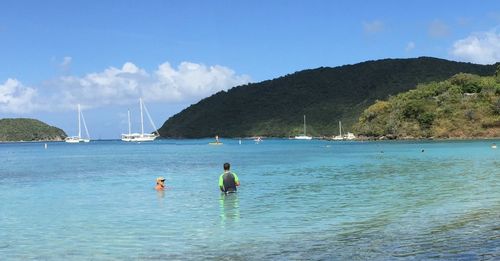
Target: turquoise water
298,200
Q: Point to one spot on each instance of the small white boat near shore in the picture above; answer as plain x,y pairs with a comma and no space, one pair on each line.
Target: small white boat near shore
348,136
304,137
339,137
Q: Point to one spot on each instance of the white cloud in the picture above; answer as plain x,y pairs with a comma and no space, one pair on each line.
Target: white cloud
481,47
373,27
192,80
410,46
16,98
438,29
186,83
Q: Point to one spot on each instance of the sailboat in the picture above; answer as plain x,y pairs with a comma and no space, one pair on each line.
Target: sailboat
304,137
339,137
77,139
138,137
349,136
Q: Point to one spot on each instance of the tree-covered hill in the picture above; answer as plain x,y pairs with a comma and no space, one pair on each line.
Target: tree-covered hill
464,106
326,95
28,130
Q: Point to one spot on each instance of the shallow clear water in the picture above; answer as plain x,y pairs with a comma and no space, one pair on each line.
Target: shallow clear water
298,200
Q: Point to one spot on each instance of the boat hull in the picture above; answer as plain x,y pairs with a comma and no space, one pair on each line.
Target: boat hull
75,140
138,137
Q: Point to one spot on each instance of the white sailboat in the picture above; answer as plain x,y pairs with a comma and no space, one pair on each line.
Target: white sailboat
138,137
77,139
304,137
349,136
339,137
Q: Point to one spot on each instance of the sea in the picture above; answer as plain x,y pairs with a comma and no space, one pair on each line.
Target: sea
298,200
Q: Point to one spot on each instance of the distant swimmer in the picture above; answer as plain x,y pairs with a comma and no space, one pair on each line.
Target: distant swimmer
228,181
160,183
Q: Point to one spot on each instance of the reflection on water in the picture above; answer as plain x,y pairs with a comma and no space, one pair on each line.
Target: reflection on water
229,208
160,194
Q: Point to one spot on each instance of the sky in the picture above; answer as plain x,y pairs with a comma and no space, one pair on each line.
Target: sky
104,55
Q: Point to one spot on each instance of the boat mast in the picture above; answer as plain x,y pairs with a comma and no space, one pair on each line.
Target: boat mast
142,118
79,128
305,125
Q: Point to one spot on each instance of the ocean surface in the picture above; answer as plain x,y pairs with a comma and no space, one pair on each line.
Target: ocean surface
298,200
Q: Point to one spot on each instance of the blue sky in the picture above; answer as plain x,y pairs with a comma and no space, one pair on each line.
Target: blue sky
106,54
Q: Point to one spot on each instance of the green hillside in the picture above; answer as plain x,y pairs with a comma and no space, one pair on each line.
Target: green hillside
325,95
28,130
464,106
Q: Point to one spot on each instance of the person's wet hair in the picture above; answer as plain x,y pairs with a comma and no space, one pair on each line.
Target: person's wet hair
226,166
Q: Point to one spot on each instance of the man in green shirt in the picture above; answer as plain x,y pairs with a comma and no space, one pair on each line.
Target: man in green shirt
228,181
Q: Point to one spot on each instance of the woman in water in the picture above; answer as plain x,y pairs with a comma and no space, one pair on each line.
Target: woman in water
160,183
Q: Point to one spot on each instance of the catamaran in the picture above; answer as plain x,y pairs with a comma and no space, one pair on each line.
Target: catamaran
77,139
304,137
138,137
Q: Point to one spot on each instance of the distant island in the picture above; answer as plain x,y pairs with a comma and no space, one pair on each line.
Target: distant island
464,106
275,108
22,129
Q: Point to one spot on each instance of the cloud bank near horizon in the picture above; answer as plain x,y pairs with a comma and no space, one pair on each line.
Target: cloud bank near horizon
119,86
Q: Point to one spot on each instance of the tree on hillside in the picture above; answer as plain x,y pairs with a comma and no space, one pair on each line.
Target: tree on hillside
463,106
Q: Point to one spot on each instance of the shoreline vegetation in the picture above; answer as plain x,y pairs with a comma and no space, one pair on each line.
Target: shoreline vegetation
463,107
357,139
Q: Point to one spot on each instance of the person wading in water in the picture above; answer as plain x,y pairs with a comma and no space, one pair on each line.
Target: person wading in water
228,181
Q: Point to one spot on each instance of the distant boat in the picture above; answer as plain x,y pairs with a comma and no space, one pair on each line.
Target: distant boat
349,136
339,137
258,139
304,137
139,137
77,139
